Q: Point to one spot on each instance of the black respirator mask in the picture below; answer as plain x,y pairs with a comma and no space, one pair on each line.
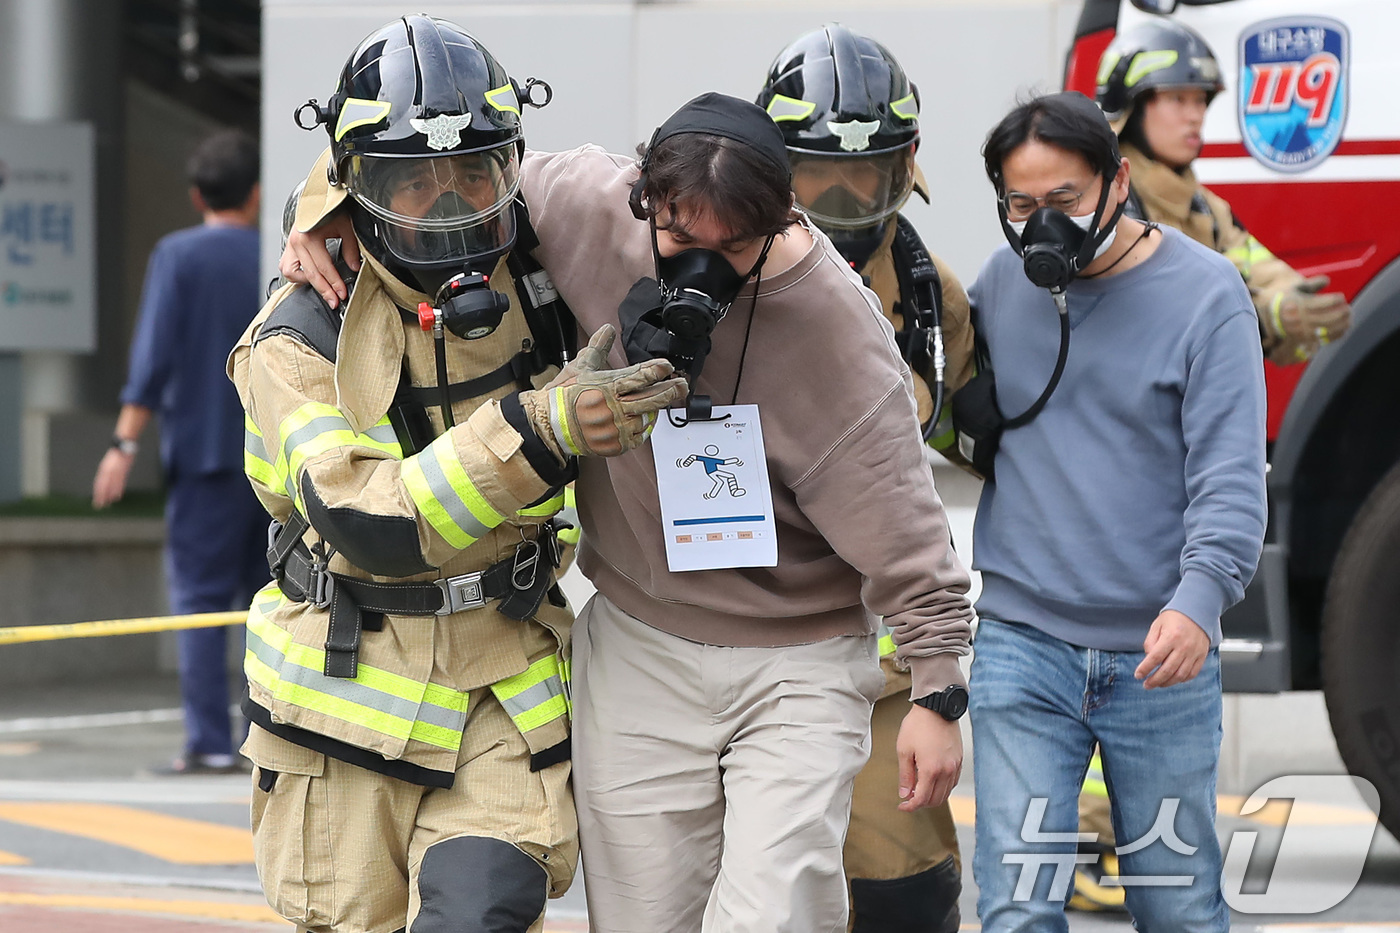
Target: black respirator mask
697,288
675,315
1055,247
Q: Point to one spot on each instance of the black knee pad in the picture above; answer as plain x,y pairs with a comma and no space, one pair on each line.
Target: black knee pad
474,884
922,903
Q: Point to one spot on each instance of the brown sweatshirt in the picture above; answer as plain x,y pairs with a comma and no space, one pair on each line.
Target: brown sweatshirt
861,531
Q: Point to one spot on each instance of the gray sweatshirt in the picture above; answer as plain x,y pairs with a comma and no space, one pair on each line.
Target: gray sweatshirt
861,532
1140,486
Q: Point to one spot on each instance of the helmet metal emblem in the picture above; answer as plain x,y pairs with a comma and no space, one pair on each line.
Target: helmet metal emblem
854,134
443,131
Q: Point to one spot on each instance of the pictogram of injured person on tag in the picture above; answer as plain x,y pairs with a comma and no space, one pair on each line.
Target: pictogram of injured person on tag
712,462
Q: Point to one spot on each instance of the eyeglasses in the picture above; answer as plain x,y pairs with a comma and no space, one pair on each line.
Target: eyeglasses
1020,206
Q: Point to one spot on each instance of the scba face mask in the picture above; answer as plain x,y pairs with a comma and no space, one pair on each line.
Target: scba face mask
697,287
1056,247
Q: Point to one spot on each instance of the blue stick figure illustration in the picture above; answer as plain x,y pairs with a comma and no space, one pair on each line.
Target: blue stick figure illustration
712,462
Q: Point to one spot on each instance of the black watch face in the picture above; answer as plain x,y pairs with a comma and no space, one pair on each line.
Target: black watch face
954,702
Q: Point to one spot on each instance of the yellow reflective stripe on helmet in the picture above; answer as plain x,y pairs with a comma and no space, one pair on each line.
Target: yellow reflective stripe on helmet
357,111
315,428
1094,785
782,108
534,697
887,645
503,98
1106,65
445,495
906,108
375,699
545,509
1144,63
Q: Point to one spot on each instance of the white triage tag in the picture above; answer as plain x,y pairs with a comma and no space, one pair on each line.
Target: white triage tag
716,502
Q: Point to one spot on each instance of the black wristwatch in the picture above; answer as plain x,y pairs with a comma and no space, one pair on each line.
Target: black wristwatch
950,702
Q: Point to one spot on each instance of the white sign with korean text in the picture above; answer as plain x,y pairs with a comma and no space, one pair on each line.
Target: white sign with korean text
47,237
716,502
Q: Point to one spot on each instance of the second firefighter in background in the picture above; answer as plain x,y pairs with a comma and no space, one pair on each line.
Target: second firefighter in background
850,119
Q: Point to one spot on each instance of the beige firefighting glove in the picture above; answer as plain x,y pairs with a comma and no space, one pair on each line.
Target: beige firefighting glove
1306,315
590,411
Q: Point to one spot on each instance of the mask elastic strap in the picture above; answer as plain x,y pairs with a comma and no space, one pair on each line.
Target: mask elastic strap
1096,238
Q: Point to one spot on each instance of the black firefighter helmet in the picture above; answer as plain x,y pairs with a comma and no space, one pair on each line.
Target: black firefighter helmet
850,119
1160,53
425,137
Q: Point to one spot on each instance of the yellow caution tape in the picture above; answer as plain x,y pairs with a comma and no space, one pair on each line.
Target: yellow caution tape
24,633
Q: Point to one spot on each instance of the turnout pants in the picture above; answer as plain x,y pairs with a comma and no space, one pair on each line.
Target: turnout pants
714,783
343,849
904,869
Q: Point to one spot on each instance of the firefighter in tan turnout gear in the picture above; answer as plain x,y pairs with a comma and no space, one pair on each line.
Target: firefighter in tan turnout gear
850,119
1155,82
408,669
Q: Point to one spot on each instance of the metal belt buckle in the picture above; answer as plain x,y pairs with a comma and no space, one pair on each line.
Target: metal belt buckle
527,558
322,583
460,593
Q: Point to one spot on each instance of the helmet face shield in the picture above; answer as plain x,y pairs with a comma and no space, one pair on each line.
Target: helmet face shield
852,192
439,209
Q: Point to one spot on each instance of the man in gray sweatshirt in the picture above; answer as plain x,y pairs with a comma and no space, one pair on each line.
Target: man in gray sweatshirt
1123,519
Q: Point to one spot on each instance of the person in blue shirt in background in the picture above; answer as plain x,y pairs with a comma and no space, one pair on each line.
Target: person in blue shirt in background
200,293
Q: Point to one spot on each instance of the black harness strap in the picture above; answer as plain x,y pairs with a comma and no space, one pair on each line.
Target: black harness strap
519,584
920,295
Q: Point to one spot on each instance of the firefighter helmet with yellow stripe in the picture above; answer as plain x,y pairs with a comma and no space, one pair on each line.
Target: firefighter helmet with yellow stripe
1161,53
850,120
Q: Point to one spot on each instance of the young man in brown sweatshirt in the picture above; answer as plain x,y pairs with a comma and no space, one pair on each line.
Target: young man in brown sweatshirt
722,715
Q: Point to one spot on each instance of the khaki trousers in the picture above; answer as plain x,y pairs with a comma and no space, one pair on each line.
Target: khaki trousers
714,783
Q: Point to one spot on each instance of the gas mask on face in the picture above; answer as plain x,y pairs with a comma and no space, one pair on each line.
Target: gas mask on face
697,287
675,315
1055,247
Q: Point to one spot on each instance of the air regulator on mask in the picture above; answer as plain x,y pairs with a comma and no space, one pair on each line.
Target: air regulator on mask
466,306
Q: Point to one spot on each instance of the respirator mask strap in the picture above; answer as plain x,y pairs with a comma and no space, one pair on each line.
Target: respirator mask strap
1096,236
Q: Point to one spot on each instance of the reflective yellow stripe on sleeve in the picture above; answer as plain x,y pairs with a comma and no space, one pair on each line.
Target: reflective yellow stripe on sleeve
445,495
259,468
1248,254
535,697
375,699
545,509
314,429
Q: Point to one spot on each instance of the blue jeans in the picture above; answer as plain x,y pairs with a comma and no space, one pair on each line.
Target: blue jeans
1038,705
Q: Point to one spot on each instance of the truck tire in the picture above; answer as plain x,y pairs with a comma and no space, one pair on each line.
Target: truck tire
1361,646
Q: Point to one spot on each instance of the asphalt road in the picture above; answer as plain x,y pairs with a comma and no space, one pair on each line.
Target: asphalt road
89,841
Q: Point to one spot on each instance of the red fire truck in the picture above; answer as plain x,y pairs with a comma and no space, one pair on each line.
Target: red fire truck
1305,145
